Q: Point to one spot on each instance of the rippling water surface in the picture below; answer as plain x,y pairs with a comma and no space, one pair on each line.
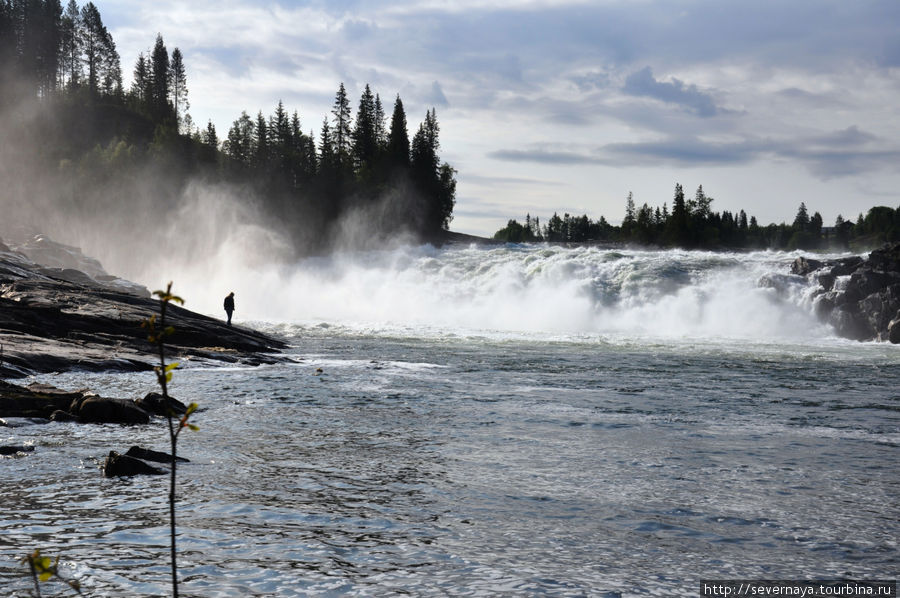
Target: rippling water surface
427,459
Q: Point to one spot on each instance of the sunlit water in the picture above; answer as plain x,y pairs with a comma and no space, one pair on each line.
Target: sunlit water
515,421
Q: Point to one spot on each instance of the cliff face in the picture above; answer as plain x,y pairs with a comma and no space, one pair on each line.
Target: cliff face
859,297
56,318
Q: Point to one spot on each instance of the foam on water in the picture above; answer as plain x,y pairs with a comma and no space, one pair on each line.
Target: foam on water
546,292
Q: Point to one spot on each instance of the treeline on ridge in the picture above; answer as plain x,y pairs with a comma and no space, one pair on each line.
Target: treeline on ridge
98,144
692,224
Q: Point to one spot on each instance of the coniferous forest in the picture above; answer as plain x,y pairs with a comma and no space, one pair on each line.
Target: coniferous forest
91,144
692,224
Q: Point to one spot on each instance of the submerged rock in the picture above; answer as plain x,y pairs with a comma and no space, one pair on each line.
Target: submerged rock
63,416
118,465
15,450
150,455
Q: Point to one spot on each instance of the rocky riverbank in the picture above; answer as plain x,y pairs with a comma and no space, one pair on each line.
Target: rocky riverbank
57,318
859,297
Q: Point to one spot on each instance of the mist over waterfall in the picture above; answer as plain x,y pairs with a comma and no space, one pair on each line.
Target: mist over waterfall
518,289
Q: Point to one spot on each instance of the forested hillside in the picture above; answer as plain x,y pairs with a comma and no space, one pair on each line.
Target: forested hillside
77,138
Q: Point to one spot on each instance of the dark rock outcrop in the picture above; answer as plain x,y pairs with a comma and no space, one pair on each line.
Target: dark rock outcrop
48,402
35,400
156,404
63,416
15,450
58,318
150,455
100,410
859,297
118,465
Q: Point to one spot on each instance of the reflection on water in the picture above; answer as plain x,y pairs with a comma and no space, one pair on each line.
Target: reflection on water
456,467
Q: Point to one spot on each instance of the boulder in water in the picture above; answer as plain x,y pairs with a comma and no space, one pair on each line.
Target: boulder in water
63,416
15,450
150,455
156,404
118,465
894,330
100,410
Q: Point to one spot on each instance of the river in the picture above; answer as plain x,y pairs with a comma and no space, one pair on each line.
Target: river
520,420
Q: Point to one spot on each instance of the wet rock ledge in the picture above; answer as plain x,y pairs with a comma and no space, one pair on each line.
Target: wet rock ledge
859,297
61,319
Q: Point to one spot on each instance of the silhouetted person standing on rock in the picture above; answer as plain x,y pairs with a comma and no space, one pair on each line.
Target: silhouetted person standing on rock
229,306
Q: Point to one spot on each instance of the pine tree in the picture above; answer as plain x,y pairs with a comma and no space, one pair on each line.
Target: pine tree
424,163
261,157
159,77
801,220
702,203
210,138
365,143
70,45
93,37
280,136
326,149
380,131
677,228
447,195
140,85
341,132
239,144
398,148
111,76
178,80
630,219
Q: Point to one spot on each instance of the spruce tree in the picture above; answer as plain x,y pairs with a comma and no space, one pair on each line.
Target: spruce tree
70,45
341,133
210,138
111,78
628,223
240,142
398,138
93,37
159,77
178,80
261,157
380,131
801,220
677,228
365,143
140,85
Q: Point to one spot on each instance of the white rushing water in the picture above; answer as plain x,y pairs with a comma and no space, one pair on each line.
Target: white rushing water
545,290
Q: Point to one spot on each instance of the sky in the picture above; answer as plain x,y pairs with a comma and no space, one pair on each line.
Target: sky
566,106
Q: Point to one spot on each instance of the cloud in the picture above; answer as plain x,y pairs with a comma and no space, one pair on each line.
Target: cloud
842,153
437,97
591,81
544,156
642,83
